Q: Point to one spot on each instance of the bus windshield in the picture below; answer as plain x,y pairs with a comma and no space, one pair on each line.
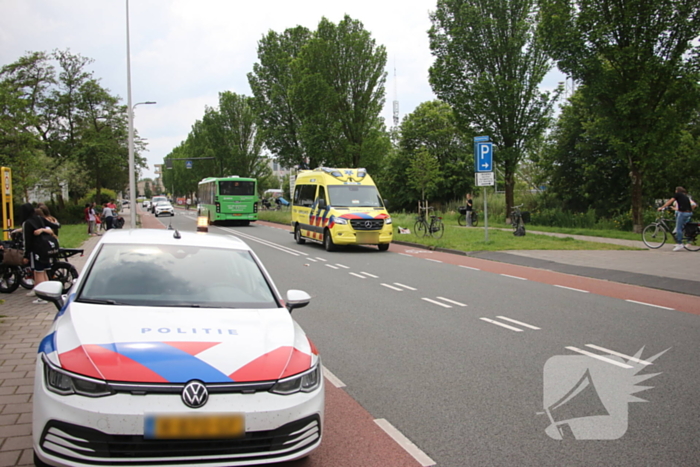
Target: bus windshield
236,188
354,196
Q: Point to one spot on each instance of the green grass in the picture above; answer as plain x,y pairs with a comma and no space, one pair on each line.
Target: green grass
619,234
72,235
472,239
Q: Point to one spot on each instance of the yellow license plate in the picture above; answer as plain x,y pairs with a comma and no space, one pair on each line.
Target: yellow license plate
194,426
367,237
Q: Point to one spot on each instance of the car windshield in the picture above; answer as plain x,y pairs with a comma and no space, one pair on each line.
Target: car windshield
354,196
180,276
159,199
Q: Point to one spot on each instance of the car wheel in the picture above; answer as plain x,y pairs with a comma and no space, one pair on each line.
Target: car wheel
383,246
297,235
328,241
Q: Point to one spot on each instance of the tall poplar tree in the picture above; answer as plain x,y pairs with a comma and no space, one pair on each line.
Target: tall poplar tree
489,65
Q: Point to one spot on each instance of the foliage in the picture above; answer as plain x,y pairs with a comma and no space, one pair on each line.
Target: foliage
319,96
423,172
638,70
489,65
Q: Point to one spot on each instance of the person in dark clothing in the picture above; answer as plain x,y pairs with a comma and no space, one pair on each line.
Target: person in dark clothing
470,208
683,213
49,220
32,227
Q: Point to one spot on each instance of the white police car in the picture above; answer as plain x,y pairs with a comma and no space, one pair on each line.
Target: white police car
175,348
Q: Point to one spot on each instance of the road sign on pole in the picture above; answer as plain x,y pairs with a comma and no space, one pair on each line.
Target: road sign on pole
188,164
485,179
484,157
480,139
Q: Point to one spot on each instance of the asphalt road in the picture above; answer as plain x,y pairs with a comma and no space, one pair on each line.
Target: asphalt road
457,358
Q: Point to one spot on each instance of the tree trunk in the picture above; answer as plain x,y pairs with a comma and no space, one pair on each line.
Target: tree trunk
637,212
510,185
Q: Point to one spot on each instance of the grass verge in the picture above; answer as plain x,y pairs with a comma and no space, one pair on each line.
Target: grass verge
72,235
472,239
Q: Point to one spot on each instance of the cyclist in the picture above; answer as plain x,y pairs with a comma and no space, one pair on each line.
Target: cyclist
470,208
683,213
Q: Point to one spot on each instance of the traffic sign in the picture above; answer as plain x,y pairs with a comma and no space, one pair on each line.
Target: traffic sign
481,139
483,159
485,179
188,164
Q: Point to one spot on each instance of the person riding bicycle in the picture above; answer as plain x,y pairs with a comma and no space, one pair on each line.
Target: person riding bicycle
683,213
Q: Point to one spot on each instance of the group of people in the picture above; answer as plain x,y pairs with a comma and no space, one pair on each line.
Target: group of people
105,219
37,222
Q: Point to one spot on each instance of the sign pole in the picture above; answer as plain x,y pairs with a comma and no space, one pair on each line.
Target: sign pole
486,218
484,173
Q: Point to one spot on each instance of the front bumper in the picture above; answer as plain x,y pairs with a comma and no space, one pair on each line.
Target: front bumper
80,431
346,235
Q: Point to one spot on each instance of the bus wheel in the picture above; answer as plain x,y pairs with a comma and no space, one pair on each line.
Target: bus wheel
328,241
297,235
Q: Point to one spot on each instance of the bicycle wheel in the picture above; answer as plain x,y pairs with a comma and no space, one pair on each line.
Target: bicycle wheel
475,219
654,236
438,229
9,279
462,220
515,221
690,239
65,273
420,229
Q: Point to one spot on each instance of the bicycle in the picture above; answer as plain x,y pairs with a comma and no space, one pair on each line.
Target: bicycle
517,221
435,228
11,277
462,218
655,234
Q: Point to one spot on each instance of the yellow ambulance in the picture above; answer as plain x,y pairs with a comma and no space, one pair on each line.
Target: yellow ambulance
339,207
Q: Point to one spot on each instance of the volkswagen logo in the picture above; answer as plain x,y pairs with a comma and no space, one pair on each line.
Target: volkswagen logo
195,394
368,224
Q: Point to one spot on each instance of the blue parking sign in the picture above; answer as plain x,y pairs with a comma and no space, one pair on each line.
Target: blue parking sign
483,159
188,164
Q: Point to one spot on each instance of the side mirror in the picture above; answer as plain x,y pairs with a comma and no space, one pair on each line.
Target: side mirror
321,203
51,291
297,299
386,203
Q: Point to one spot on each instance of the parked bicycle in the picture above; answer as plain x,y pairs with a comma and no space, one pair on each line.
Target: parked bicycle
435,228
11,277
462,218
655,234
517,220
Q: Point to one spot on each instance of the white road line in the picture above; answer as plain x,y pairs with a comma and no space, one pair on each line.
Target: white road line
405,254
649,304
237,233
370,275
421,457
405,286
342,266
612,352
518,322
391,287
320,259
433,260
436,302
357,275
468,267
331,266
335,381
600,357
311,259
570,288
514,277
512,328
452,301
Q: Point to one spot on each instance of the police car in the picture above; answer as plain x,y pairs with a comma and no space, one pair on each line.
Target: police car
175,348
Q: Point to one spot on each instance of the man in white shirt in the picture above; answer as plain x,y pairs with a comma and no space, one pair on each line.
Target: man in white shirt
108,215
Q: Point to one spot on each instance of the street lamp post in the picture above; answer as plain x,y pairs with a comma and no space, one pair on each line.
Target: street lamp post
132,165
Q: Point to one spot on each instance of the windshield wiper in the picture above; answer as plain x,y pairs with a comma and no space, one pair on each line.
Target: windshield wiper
100,302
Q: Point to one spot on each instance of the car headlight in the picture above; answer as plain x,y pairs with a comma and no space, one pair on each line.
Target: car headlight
303,382
65,383
387,220
340,220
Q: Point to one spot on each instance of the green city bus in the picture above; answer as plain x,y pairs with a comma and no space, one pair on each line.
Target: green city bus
228,199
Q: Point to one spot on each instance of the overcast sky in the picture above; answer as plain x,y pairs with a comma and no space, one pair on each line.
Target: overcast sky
184,52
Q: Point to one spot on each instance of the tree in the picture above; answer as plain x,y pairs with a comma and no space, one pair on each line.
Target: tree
637,67
271,82
319,95
423,173
489,65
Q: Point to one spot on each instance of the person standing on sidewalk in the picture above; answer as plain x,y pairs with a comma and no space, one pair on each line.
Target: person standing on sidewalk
108,216
683,213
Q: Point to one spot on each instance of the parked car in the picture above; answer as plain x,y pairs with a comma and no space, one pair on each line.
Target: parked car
162,208
175,348
146,203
